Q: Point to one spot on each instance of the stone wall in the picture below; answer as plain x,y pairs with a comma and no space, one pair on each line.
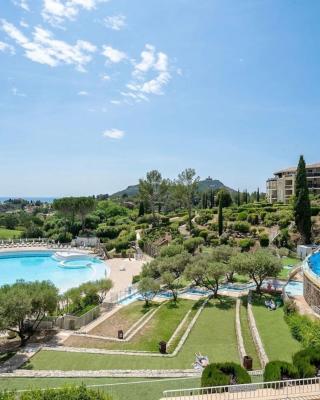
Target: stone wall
311,291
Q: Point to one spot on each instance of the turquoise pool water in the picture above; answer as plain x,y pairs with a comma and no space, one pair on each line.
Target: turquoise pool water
32,266
294,288
315,263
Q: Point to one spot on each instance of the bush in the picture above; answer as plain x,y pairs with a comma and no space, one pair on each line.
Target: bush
136,279
279,370
290,308
242,227
307,362
171,250
264,240
242,216
219,374
246,244
71,393
304,329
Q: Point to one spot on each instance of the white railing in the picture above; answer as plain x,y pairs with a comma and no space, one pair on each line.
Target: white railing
266,390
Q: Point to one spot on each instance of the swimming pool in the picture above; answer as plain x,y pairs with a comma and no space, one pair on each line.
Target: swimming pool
36,265
294,288
314,263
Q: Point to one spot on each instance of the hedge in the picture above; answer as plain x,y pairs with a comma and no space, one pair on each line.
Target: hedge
277,370
307,362
219,374
71,393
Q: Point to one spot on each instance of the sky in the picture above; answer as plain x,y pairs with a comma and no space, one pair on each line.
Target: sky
95,93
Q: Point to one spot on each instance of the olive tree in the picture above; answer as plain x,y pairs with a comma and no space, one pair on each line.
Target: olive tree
258,266
23,305
148,288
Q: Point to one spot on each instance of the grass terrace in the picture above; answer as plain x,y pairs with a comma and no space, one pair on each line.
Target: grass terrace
6,234
213,335
274,331
119,388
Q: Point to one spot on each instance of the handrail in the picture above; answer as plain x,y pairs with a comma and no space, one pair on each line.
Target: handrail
251,390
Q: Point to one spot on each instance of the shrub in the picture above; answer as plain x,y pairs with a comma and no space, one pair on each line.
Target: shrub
264,240
246,244
242,216
171,250
242,227
304,330
136,279
290,308
278,370
307,362
219,374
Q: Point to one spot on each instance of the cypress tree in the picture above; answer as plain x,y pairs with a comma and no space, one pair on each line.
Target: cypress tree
211,198
220,218
258,195
141,209
238,198
302,207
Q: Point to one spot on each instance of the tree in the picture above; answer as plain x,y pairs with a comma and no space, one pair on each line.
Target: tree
224,197
83,206
23,305
152,190
169,280
148,288
206,273
258,195
238,198
224,254
186,186
302,208
204,200
211,198
103,287
258,266
141,209
220,218
192,244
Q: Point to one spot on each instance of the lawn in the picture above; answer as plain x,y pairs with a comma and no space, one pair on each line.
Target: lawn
139,388
275,333
284,274
247,337
213,335
9,234
160,328
122,319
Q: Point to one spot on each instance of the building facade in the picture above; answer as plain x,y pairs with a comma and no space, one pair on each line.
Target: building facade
281,187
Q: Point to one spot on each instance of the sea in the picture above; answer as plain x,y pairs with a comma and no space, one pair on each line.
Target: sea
42,199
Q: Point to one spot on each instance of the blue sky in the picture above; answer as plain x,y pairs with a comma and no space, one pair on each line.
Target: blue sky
95,93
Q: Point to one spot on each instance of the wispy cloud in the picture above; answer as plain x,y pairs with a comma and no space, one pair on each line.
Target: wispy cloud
113,134
5,47
16,92
105,77
24,24
22,4
116,102
55,12
115,22
43,48
113,55
83,93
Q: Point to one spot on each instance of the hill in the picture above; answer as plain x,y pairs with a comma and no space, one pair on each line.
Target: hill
204,185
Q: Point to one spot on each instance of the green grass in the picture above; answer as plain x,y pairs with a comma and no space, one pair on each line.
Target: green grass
275,333
247,337
284,274
147,388
213,335
9,234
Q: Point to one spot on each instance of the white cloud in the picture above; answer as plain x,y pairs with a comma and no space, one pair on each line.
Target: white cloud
16,92
83,93
22,4
115,22
56,12
113,55
116,102
5,47
113,134
105,77
45,49
24,24
150,75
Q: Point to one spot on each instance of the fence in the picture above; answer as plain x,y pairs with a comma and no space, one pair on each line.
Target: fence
267,390
117,297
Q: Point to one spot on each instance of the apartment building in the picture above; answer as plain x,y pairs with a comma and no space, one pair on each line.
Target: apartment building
281,187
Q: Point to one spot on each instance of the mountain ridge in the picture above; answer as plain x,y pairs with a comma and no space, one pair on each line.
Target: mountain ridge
204,185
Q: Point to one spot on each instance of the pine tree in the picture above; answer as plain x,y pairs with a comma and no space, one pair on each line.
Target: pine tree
302,208
141,209
220,218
